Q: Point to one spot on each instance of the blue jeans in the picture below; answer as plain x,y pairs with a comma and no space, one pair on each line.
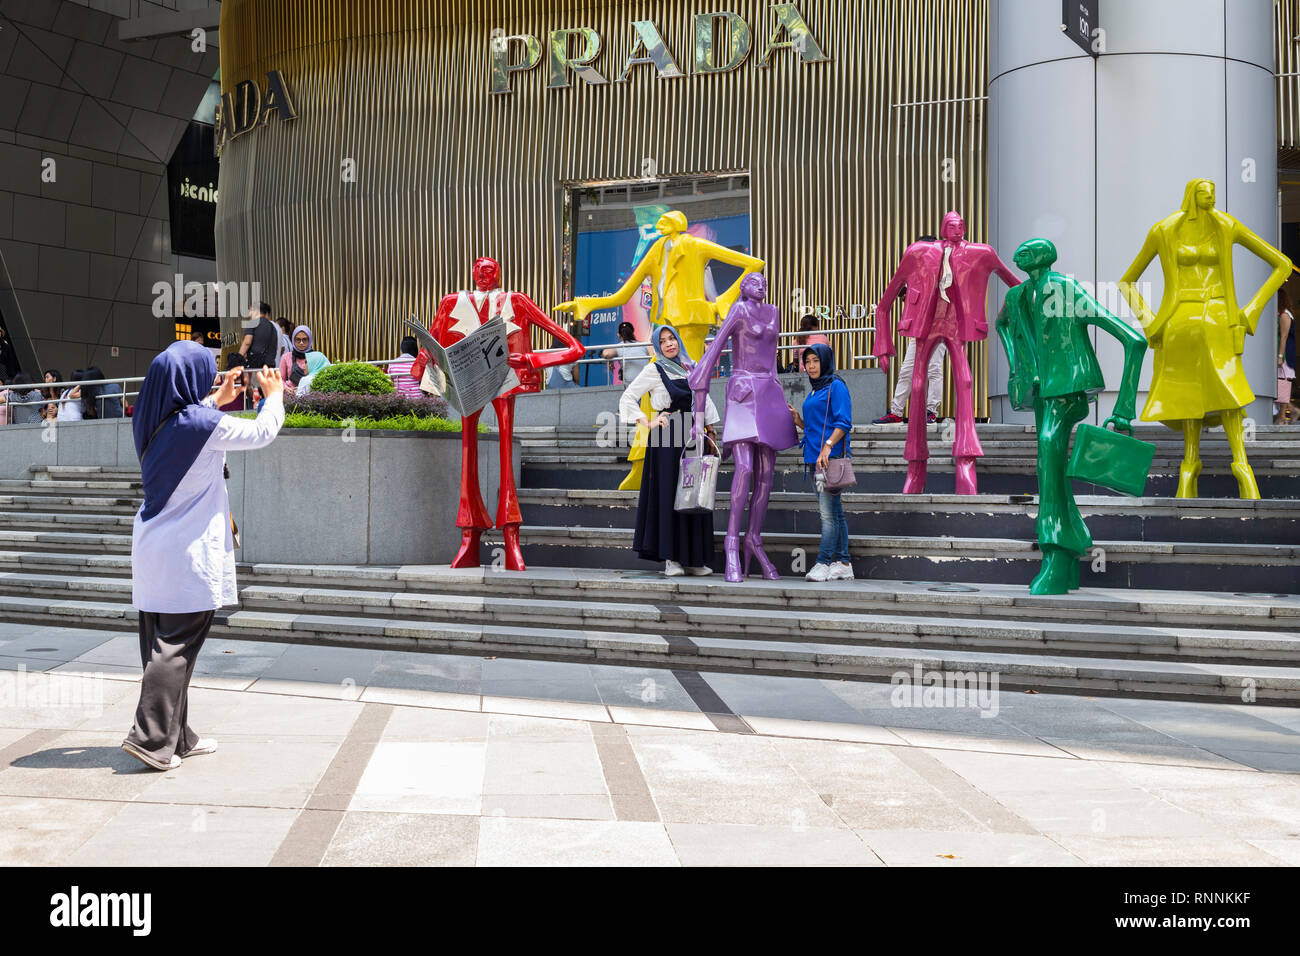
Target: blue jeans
835,529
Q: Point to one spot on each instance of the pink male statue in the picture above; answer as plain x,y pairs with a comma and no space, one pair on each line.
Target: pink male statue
947,282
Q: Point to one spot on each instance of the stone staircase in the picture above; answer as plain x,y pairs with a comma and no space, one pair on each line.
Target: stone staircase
568,457
1194,600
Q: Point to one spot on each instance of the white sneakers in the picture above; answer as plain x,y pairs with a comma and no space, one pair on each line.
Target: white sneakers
148,759
205,745
672,569
839,571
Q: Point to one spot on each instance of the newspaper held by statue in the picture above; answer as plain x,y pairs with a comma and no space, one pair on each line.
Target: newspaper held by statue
475,368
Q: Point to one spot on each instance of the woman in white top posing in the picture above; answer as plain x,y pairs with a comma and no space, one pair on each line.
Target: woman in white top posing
182,549
684,542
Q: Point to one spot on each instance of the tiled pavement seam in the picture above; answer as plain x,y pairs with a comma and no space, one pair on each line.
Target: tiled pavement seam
963,794
710,704
628,790
309,838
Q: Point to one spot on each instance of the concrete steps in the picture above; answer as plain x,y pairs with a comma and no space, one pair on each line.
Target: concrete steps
1207,610
573,458
1013,477
1244,611
84,521
704,620
66,541
1179,679
1126,564
1202,520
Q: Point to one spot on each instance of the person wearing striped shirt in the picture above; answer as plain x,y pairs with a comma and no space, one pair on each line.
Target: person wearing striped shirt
400,371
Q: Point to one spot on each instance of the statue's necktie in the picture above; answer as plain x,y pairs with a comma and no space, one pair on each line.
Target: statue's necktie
945,278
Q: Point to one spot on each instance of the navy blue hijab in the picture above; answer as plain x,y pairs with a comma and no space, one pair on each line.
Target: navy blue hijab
827,358
177,382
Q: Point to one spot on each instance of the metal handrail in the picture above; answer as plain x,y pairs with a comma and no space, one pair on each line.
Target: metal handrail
782,335
67,386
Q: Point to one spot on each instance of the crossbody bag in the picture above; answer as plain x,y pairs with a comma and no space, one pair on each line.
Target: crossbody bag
839,471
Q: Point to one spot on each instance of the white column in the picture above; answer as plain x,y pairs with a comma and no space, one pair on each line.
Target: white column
1091,153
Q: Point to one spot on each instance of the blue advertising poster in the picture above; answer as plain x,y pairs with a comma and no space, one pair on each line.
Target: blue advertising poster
604,259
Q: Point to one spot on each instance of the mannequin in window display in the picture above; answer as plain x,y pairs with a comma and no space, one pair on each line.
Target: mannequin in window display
458,315
947,282
1200,331
757,423
1043,327
676,266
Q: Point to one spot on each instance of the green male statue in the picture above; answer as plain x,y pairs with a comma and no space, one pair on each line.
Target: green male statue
1054,371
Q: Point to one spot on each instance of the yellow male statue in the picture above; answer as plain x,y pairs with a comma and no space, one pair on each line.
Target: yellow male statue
675,266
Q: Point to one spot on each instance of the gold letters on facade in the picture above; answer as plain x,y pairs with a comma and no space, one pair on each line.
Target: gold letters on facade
736,44
246,108
789,32
656,52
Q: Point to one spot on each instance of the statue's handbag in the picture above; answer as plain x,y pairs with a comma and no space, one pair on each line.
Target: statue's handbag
1111,459
697,480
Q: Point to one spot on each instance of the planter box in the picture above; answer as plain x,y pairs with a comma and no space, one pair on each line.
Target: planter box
374,497
107,443
379,498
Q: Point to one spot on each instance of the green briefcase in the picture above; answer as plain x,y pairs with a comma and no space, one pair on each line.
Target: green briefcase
1111,459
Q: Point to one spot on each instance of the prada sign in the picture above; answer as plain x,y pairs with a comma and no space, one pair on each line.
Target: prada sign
247,107
789,32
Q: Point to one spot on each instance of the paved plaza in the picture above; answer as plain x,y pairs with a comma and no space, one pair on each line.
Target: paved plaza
358,757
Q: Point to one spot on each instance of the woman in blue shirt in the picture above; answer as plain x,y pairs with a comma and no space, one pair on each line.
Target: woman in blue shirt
826,421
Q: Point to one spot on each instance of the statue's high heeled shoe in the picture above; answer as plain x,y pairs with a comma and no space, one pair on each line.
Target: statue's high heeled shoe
731,545
1246,487
753,546
1187,481
965,477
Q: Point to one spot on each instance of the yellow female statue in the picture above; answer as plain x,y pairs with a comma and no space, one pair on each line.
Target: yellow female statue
1200,331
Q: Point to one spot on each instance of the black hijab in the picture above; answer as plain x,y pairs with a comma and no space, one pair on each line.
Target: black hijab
827,358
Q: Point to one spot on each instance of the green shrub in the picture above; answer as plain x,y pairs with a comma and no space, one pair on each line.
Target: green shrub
354,378
351,405
414,423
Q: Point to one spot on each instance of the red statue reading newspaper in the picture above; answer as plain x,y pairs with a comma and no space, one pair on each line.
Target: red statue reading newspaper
458,315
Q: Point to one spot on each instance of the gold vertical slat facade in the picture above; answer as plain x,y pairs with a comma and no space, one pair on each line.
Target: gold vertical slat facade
1286,49
929,127
840,179
846,158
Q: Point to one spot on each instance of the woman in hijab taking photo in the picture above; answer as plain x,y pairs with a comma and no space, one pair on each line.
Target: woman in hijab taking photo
182,547
684,542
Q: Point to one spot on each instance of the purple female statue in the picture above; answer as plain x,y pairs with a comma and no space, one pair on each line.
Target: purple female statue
757,423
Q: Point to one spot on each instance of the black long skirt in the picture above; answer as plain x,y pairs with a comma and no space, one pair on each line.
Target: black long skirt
663,534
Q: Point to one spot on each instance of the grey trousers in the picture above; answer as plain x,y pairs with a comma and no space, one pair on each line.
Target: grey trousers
169,646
